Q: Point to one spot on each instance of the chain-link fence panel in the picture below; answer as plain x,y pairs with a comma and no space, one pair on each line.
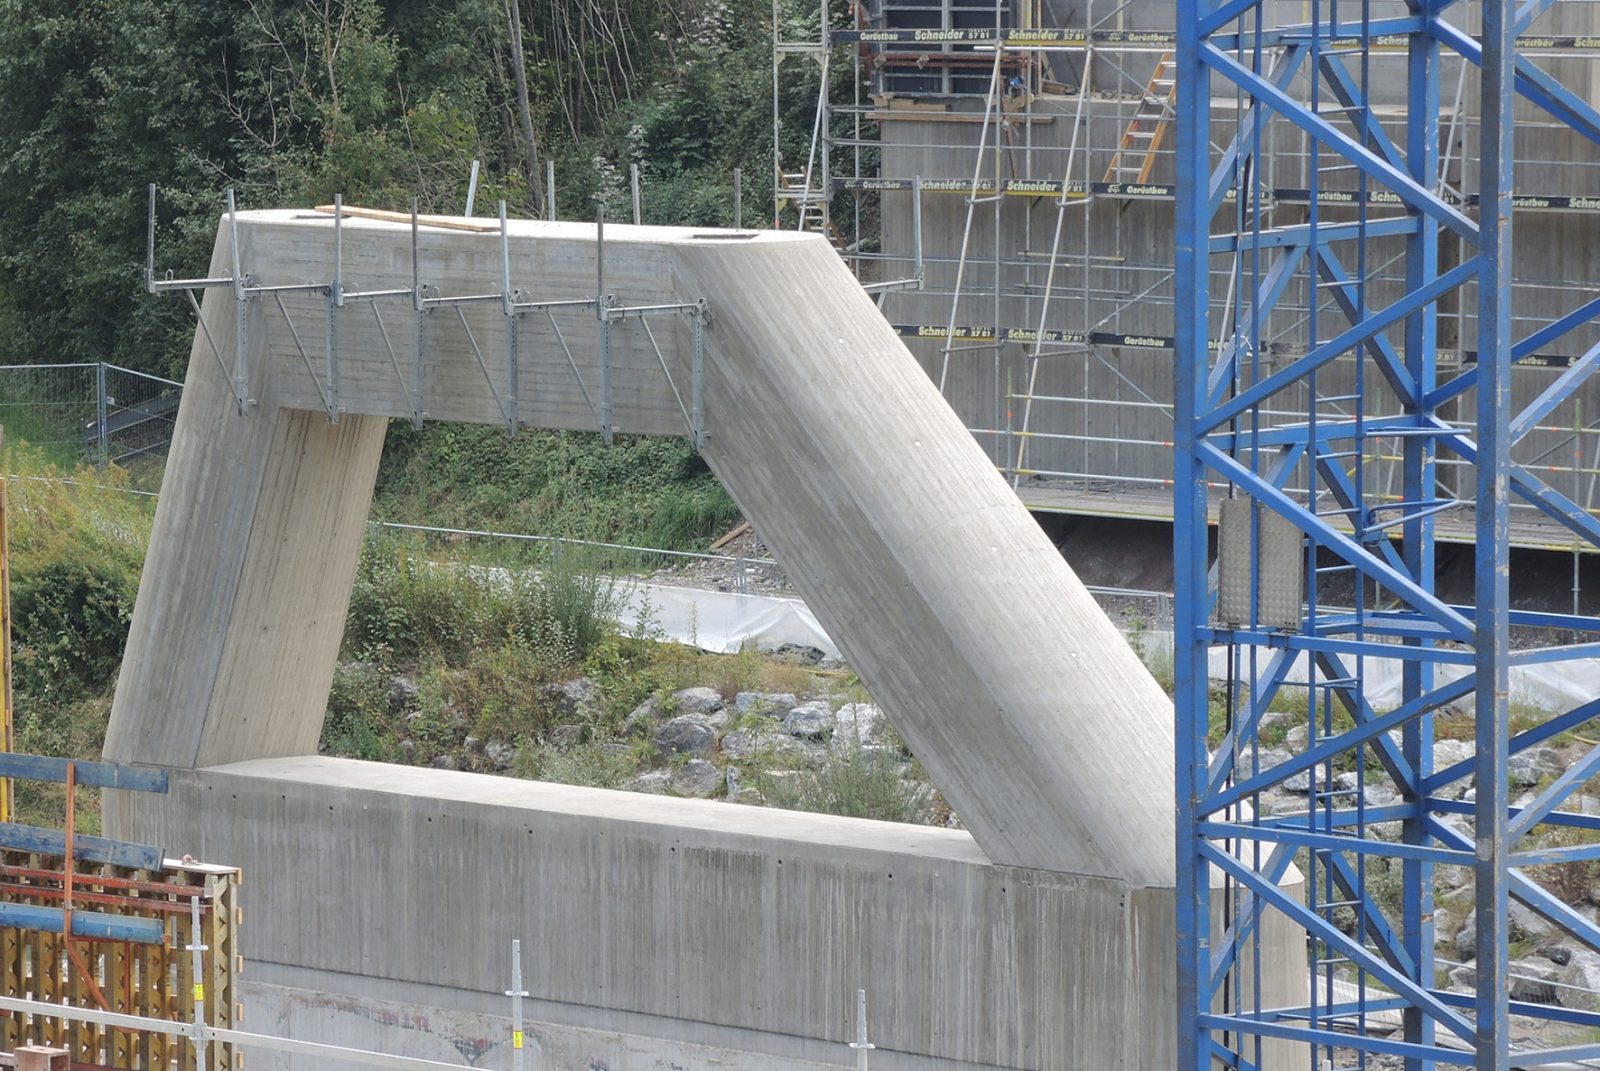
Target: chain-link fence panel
49,406
92,414
133,428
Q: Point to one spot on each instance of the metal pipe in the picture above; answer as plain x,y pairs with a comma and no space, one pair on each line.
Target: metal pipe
550,189
633,178
916,227
150,245
472,189
505,264
861,1045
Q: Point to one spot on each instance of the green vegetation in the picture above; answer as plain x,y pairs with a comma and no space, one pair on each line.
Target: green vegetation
76,551
642,492
382,100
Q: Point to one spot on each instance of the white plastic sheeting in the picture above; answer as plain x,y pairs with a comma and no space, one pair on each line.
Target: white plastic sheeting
1552,686
724,622
721,620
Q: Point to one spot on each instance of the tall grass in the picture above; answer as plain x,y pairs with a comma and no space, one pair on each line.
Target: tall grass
406,606
853,782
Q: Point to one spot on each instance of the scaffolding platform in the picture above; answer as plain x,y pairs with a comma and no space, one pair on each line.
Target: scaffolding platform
1138,503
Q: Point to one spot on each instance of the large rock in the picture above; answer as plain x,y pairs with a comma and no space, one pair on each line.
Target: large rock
859,725
798,653
687,734
744,744
655,782
809,721
776,704
500,753
1580,980
1533,980
1534,765
697,701
402,694
697,777
1526,924
1447,753
1465,941
642,719
1274,718
576,699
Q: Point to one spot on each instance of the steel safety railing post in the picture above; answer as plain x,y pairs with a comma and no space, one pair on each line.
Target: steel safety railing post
516,993
236,283
196,949
861,1046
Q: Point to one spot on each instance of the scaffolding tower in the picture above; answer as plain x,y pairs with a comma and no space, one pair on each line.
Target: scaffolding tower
1246,265
1036,144
1377,808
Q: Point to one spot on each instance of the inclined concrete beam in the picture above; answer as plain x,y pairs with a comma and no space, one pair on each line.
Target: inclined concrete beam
1029,710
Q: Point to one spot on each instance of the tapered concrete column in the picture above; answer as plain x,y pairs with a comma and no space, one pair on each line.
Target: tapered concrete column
242,602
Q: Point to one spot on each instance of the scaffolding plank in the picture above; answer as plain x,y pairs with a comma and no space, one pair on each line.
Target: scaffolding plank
87,848
84,923
87,774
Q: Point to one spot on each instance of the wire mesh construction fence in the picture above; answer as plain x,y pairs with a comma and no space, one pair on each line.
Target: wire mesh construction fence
90,412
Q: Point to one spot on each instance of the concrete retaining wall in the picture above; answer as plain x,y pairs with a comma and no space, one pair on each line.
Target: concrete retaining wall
380,904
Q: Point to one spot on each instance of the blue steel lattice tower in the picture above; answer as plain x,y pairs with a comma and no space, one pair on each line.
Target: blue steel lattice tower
1280,442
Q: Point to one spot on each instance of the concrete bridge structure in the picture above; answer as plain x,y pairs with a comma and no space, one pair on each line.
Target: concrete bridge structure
657,932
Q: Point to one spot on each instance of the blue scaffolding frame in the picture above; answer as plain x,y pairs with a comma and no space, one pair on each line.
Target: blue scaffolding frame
1235,259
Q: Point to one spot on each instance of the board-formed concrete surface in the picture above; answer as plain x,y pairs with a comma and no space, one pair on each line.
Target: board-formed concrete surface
1041,940
737,934
1032,715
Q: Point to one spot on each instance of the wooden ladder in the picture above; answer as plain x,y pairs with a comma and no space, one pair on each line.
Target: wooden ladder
1135,157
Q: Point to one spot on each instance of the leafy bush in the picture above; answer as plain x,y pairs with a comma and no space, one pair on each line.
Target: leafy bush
587,765
566,608
639,491
71,621
405,605
360,722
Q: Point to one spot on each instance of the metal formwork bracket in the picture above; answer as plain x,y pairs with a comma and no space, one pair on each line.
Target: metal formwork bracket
239,283
697,412
606,401
421,311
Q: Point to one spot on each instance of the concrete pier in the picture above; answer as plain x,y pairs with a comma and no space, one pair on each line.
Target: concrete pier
1042,940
